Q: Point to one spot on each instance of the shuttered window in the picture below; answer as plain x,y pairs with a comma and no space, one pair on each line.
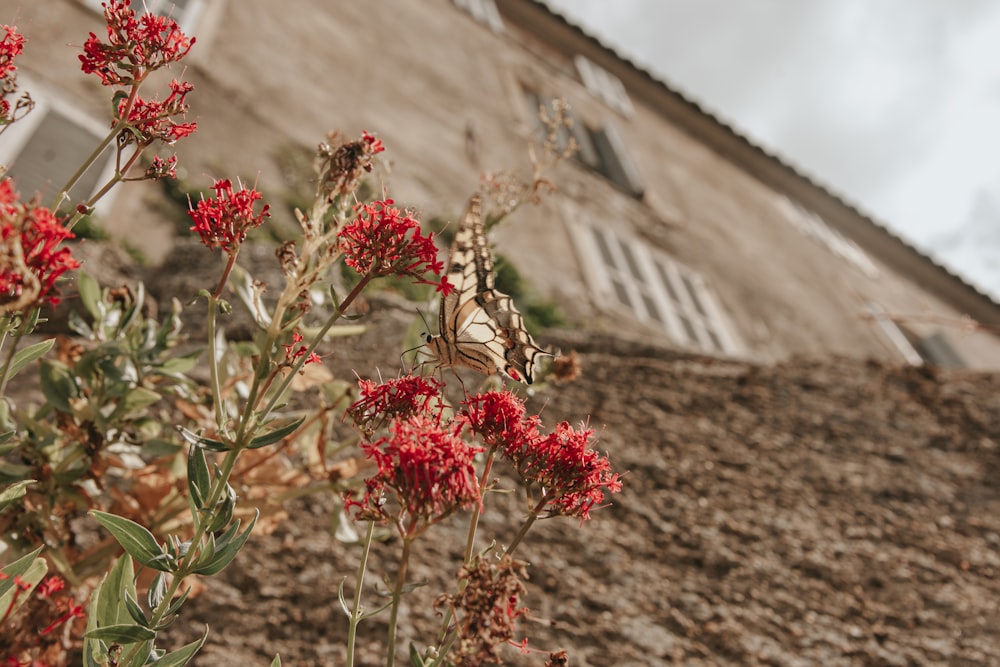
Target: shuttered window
656,290
604,85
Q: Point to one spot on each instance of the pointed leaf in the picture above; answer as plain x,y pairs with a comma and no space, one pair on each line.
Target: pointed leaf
199,480
181,656
58,385
275,435
135,611
29,354
29,569
182,364
136,540
200,441
121,634
108,607
90,293
14,492
136,400
277,661
227,552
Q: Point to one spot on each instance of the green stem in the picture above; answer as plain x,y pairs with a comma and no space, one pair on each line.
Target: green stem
356,612
532,517
397,594
5,372
477,511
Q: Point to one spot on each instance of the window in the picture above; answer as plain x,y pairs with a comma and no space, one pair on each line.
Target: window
602,149
484,11
814,227
604,85
185,12
915,349
45,148
656,290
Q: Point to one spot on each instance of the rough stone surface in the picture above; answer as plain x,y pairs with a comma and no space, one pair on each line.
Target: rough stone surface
834,512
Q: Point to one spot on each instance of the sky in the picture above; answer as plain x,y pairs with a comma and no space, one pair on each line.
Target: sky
894,105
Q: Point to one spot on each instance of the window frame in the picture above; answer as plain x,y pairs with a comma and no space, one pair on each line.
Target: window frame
186,20
604,85
18,135
654,289
485,12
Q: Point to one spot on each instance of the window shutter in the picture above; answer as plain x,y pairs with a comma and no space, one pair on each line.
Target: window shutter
484,11
604,85
616,162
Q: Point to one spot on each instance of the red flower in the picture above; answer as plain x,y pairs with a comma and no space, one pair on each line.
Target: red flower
223,222
573,476
161,168
11,46
50,586
499,418
400,398
427,469
31,260
293,351
135,46
383,241
152,119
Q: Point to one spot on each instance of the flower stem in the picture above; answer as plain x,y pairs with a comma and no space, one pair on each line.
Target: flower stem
5,372
356,612
397,594
532,517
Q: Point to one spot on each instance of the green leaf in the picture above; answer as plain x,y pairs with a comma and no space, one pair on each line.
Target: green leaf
135,611
137,542
14,492
121,634
227,549
181,656
275,435
29,354
109,607
29,569
200,441
199,481
90,293
138,398
58,385
277,661
182,364
415,659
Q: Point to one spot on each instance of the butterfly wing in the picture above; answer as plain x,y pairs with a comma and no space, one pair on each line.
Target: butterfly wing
480,327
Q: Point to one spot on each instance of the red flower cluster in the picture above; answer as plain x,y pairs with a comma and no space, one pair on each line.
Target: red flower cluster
30,258
384,241
428,469
223,222
11,46
152,119
399,398
294,351
136,46
573,477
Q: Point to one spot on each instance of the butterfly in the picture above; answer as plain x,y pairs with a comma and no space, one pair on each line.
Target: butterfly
479,326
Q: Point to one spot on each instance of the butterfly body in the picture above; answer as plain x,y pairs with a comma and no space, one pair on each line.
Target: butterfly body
479,326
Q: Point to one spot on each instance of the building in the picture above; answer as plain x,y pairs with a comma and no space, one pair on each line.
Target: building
669,225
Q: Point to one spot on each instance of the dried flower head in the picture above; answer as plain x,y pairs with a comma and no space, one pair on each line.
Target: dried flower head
486,609
223,222
566,367
340,165
135,45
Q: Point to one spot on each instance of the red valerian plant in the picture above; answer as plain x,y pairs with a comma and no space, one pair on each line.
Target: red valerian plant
31,260
384,241
223,222
11,46
427,468
341,165
135,47
151,120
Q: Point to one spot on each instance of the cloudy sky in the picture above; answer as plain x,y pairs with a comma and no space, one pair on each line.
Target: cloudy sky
895,105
